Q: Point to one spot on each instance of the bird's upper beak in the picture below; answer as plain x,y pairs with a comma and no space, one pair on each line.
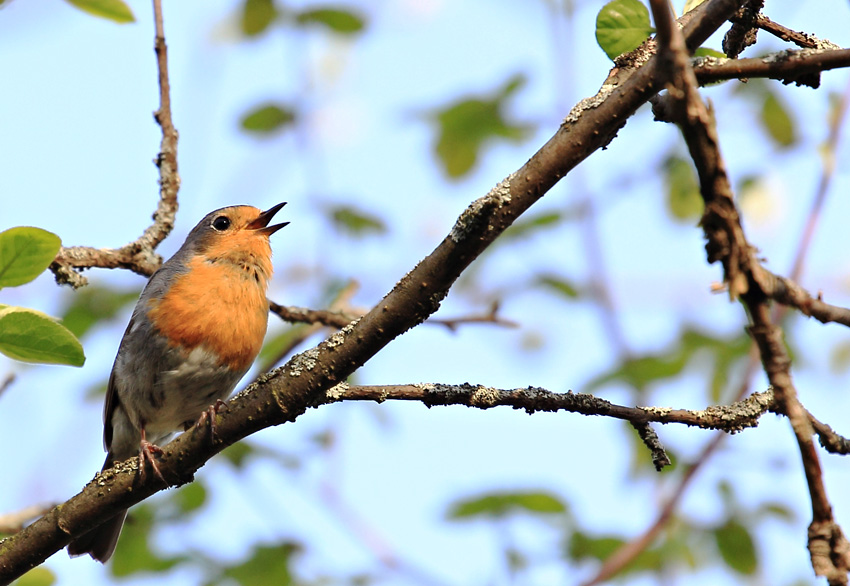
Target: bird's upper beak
261,224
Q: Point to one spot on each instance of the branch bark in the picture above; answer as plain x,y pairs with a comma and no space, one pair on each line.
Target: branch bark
744,276
137,256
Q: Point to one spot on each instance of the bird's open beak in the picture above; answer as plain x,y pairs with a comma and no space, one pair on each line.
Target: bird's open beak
261,224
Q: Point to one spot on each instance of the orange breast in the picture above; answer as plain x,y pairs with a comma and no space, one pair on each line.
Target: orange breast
220,305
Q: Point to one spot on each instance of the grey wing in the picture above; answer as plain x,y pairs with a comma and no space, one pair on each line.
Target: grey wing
111,396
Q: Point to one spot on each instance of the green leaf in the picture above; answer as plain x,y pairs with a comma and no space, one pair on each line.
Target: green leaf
621,26
338,20
238,453
39,576
25,253
268,118
267,565
93,304
691,4
190,497
526,226
582,546
683,196
706,52
736,547
776,119
464,127
559,285
257,15
115,10
639,372
134,554
501,504
31,336
271,352
839,358
356,222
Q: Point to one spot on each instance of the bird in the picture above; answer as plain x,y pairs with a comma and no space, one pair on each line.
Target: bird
195,331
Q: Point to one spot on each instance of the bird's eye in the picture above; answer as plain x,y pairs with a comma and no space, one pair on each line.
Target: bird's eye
221,223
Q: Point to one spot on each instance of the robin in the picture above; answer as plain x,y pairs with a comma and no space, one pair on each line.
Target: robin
195,331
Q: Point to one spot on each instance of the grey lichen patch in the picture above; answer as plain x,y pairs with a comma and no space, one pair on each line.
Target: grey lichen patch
485,397
657,411
708,61
336,340
473,216
337,392
589,103
304,362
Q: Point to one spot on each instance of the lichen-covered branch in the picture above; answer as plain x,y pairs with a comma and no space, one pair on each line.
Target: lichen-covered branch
726,243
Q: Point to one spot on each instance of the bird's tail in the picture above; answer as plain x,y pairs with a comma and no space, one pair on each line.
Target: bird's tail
100,542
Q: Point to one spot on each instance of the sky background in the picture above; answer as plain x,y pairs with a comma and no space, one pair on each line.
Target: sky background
79,138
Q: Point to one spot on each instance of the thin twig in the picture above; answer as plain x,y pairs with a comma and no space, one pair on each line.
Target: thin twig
13,522
729,418
137,256
829,549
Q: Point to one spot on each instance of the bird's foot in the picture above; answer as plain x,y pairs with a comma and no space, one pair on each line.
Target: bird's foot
210,414
147,452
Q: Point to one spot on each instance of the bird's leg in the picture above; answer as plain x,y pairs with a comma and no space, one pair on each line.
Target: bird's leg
210,414
146,452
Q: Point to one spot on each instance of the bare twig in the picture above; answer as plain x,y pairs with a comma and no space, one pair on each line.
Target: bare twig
339,318
829,549
15,521
802,67
137,256
729,418
7,382
803,40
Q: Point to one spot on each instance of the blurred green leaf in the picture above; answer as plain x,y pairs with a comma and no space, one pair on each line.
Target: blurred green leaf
527,226
267,565
559,285
621,26
275,346
257,15
777,510
25,253
736,547
191,497
639,372
350,219
93,304
31,336
114,10
339,20
238,453
501,504
134,554
776,119
839,357
268,118
39,576
464,127
706,52
691,4
582,546
683,196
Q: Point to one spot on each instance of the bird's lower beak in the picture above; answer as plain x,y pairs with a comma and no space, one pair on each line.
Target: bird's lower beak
261,224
